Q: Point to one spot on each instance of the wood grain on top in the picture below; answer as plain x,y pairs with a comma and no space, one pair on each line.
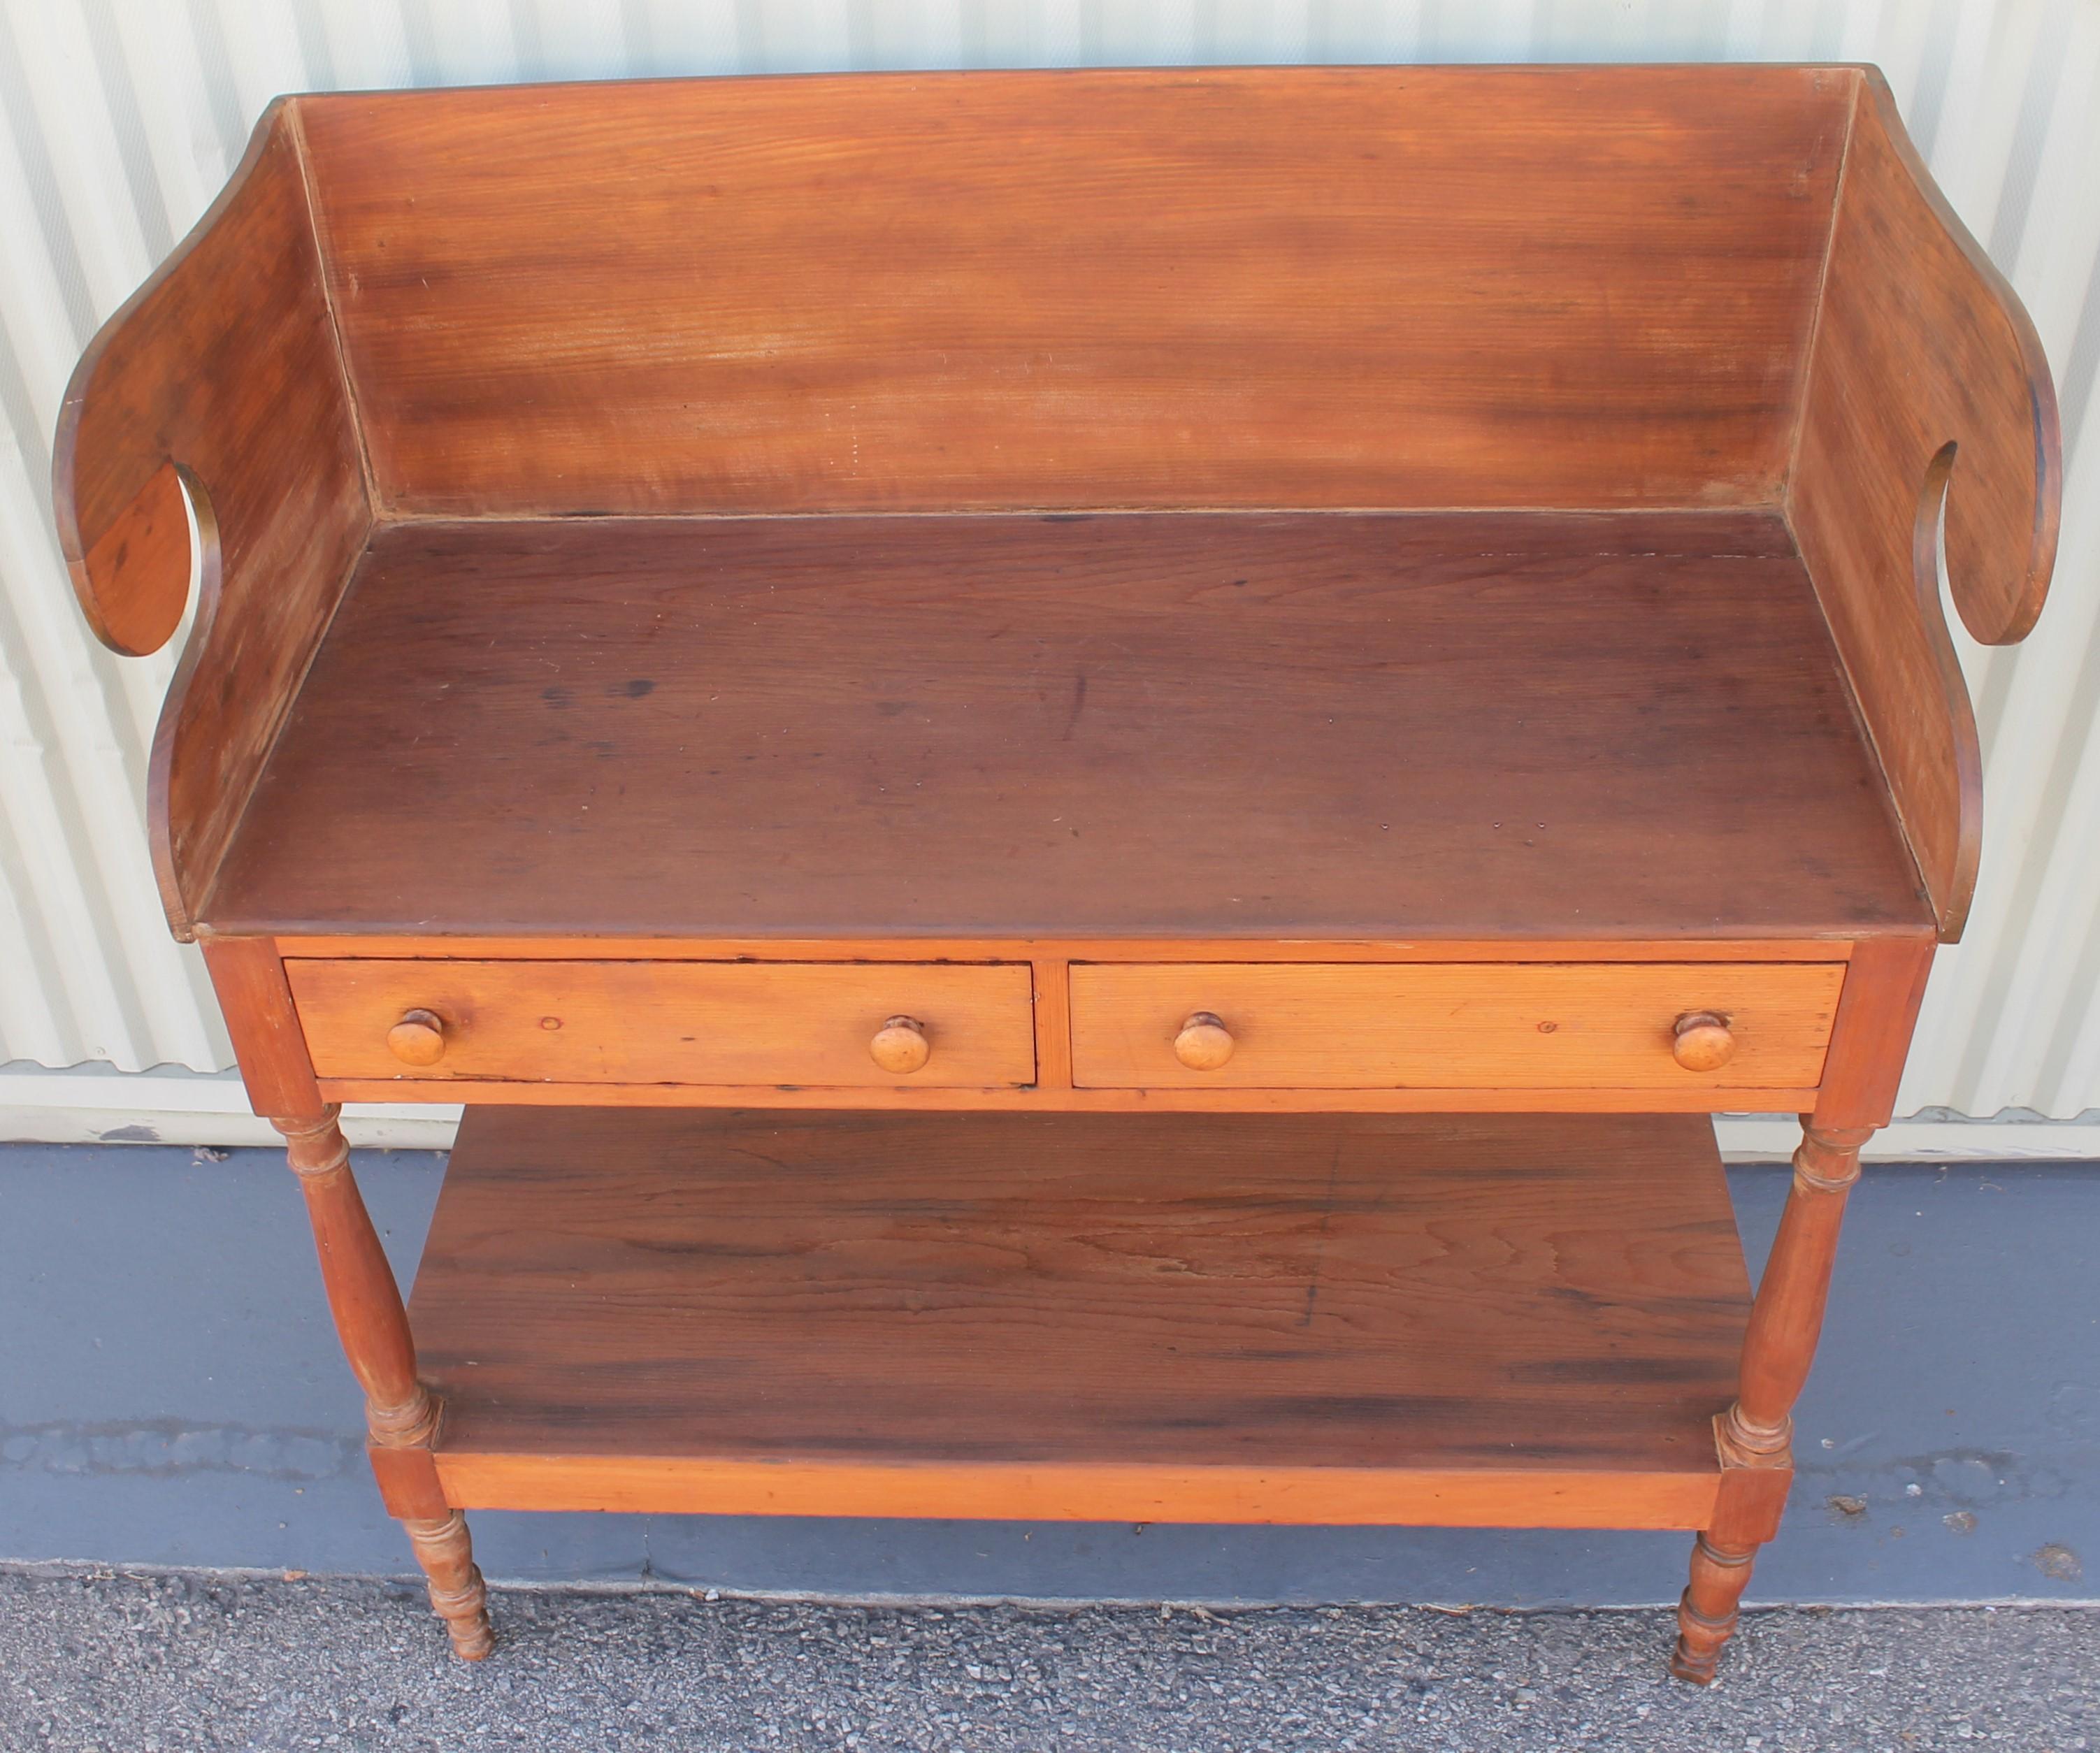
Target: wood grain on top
1388,286
1230,725
1555,1291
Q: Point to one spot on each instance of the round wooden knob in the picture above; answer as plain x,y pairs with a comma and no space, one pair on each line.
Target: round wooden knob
900,1045
1702,1042
1204,1043
418,1038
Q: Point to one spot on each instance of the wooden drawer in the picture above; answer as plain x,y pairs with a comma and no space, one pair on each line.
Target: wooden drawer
731,1023
1446,1025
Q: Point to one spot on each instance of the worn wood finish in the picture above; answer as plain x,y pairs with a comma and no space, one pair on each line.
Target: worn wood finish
1884,984
248,977
496,946
1788,1318
401,1413
1203,1042
1926,379
1342,286
457,1594
1755,1437
134,582
1706,1615
1410,588
399,1409
668,1023
1515,725
900,1046
223,367
1278,1296
1053,1022
911,1096
1207,1491
1506,1026
420,1037
1702,1041
409,1483
1752,1499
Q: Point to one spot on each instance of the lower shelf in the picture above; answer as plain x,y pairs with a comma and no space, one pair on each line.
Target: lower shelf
1525,1321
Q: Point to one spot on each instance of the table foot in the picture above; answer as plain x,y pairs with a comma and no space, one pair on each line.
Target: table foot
458,1596
1706,1616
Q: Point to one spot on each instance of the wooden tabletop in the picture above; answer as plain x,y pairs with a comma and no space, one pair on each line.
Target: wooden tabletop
1533,725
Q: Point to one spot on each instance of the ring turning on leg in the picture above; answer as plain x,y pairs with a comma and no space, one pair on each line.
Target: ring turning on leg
401,1413
1755,1436
1706,1615
457,1592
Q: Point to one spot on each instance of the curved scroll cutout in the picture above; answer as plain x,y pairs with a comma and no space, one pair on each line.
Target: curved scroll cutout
2005,612
1929,576
1984,377
223,368
131,405
206,578
1920,344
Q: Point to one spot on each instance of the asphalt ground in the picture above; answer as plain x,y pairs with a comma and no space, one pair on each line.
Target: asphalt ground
127,1662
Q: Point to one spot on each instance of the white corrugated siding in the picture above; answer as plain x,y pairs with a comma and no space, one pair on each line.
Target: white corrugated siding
122,118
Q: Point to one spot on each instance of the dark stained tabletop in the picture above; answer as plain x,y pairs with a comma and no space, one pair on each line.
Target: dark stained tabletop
1504,724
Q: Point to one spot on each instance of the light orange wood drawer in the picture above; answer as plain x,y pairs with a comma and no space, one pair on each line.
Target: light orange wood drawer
1454,1026
730,1023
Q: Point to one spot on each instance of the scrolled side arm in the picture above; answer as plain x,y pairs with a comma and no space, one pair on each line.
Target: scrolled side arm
1929,444
220,382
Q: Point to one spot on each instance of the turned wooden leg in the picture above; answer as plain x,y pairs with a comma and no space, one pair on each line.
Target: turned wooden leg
400,1412
1786,1320
1755,1436
1706,1616
457,1592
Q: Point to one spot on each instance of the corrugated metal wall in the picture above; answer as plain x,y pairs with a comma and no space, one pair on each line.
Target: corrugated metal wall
122,118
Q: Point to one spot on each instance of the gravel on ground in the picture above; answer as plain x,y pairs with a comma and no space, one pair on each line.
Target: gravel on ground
127,1662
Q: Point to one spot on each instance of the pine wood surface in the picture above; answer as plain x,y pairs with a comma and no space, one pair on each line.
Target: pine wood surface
907,1095
558,948
1884,984
679,1022
1546,1496
269,1041
1534,482
1336,286
223,365
362,1293
1550,1294
1706,1616
1254,726
1927,385
1449,1024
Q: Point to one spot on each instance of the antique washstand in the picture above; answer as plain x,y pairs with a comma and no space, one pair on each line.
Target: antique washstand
1089,777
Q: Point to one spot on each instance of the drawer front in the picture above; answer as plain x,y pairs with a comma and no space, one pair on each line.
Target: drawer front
730,1022
1451,1026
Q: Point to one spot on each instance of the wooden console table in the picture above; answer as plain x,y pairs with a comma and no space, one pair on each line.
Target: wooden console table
1088,775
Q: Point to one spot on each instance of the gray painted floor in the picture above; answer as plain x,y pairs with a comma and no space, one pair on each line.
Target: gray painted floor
171,1395
189,1663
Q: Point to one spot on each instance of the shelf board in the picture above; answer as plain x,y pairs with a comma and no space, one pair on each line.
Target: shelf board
1596,726
1494,1320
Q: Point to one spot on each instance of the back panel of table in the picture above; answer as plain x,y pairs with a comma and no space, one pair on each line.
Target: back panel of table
1311,287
